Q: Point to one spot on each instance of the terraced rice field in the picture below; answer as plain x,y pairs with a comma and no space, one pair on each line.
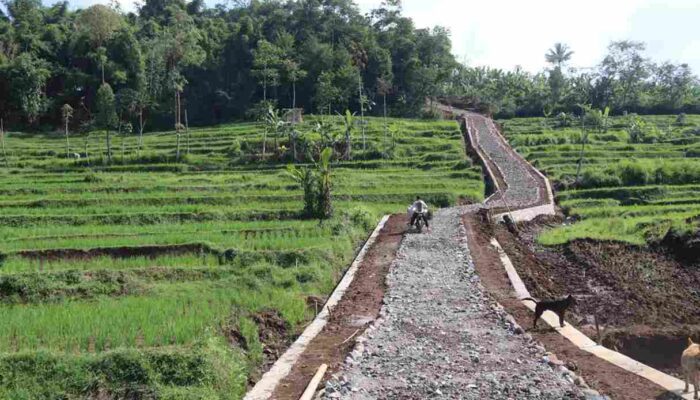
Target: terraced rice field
628,190
152,278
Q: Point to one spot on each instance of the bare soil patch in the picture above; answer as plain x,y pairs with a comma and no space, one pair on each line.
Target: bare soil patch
659,347
274,334
114,252
358,308
645,299
600,375
619,283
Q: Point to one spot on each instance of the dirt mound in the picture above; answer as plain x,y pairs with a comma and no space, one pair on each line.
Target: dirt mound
684,245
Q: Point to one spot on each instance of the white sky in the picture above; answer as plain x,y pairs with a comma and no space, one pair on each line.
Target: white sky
506,33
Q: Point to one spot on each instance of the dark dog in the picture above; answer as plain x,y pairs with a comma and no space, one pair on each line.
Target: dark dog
557,306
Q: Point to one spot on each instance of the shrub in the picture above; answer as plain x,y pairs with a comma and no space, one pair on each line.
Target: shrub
92,177
594,119
564,120
681,119
362,217
633,173
431,113
693,152
432,157
597,178
608,137
234,151
441,200
462,165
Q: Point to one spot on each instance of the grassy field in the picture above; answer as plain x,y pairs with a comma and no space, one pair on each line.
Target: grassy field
631,187
129,279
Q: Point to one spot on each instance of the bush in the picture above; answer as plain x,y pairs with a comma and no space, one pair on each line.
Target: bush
362,217
693,152
633,173
432,157
462,165
564,120
431,113
92,177
234,151
608,137
594,119
681,119
440,200
597,178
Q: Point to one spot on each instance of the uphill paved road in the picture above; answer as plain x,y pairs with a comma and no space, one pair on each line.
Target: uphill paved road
524,188
440,334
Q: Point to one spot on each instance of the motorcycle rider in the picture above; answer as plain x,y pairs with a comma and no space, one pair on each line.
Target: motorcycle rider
418,210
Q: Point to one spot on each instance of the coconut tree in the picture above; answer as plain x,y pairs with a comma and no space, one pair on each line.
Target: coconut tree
67,113
106,114
559,54
2,142
359,60
384,88
294,74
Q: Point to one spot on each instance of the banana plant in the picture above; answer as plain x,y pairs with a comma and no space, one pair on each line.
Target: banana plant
274,124
349,123
324,205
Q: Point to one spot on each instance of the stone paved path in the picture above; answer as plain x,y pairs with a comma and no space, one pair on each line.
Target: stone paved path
440,335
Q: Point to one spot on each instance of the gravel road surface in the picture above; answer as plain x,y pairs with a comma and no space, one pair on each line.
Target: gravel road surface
440,335
523,184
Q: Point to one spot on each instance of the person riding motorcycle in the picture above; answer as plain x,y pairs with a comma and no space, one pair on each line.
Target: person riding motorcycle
418,210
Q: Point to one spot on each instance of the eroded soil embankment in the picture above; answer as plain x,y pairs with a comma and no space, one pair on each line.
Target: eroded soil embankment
608,379
621,284
645,300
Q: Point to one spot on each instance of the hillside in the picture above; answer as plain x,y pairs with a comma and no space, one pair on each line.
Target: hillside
631,188
156,279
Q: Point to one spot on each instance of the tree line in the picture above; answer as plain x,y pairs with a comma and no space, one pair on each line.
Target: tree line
173,63
625,81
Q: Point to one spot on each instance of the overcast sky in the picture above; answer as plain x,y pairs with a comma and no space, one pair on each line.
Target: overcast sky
506,33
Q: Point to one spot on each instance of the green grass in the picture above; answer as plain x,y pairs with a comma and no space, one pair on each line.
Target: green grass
633,192
126,278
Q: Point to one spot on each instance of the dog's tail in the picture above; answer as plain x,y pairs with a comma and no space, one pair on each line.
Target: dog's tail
690,341
531,299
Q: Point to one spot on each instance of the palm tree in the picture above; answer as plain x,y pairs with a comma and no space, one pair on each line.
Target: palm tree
559,54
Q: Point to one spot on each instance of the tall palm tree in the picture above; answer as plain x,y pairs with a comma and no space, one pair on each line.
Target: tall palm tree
559,54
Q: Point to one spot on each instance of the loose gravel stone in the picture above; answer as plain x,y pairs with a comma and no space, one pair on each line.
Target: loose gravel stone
440,335
523,184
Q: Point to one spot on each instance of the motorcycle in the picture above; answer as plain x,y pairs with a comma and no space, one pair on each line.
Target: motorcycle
420,222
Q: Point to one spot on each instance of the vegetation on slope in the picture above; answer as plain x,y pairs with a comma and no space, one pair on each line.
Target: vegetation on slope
150,277
638,176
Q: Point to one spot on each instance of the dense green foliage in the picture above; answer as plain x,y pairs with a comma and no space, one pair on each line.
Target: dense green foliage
173,63
180,62
639,177
143,278
626,81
